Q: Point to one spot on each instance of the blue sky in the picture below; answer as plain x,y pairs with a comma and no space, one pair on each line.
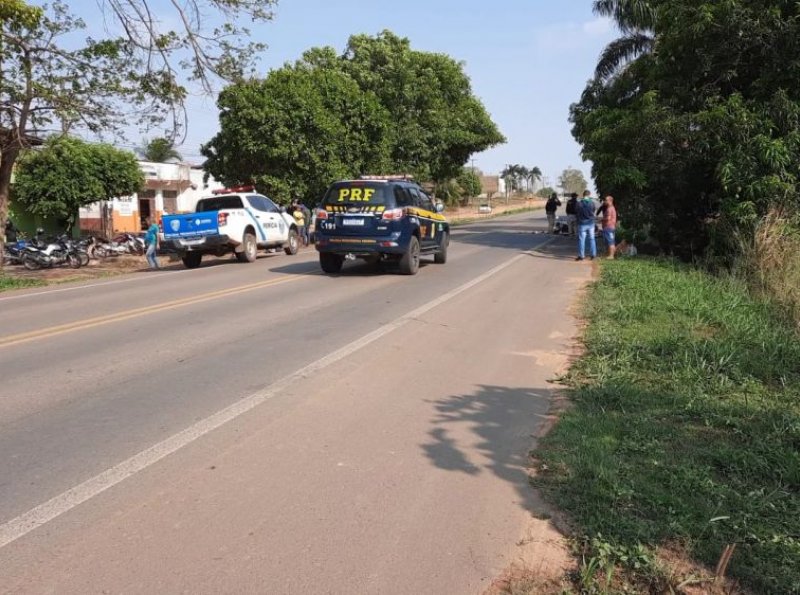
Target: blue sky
528,61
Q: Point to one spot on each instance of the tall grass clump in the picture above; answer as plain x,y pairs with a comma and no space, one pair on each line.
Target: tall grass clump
769,260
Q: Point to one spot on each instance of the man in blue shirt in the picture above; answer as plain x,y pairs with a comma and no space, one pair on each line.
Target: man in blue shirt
151,241
585,214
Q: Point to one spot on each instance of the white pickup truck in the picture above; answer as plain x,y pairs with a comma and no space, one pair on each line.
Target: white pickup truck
232,220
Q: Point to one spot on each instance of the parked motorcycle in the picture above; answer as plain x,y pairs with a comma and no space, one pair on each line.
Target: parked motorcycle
12,253
40,254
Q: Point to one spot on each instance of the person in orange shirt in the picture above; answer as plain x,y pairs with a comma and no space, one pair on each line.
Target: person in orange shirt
610,225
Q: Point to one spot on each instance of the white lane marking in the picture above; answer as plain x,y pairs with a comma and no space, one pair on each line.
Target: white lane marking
133,277
66,501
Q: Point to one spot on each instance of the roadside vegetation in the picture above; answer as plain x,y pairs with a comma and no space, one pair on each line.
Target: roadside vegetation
692,123
7,283
684,437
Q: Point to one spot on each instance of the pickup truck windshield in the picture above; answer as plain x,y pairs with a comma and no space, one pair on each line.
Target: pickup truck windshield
219,203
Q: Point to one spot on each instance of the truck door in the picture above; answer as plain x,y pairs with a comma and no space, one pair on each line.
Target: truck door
268,227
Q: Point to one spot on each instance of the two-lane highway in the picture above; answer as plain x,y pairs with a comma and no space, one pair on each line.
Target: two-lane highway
264,428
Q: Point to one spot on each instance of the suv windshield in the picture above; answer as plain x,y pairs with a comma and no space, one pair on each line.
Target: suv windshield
219,203
358,193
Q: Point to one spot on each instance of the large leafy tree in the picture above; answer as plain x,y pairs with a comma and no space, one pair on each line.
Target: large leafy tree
52,81
699,137
572,181
68,173
380,107
297,130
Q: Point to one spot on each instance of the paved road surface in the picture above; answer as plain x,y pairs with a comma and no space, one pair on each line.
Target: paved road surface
266,429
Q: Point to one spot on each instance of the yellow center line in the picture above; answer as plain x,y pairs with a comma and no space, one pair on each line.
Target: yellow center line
135,313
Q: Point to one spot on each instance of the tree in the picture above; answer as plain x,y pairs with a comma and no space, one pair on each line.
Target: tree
700,135
159,150
296,131
67,174
438,122
380,107
572,181
546,192
534,174
50,80
469,182
636,19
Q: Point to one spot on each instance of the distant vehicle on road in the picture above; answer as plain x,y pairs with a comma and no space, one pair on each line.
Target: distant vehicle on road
232,220
380,218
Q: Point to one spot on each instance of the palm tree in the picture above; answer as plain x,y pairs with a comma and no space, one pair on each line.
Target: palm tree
159,150
637,20
534,174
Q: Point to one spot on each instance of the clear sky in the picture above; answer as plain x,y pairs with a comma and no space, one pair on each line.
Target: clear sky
528,61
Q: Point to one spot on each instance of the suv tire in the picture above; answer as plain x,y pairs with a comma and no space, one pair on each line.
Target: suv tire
331,263
409,262
249,251
441,256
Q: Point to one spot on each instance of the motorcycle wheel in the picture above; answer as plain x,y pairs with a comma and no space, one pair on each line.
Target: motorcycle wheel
31,263
74,261
84,258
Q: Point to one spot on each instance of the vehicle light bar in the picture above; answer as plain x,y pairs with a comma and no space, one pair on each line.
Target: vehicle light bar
389,177
234,190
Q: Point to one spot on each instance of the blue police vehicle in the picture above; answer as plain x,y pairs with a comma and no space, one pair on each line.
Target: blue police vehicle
377,219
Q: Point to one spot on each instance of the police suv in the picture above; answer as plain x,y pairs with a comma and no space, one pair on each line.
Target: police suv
232,220
380,218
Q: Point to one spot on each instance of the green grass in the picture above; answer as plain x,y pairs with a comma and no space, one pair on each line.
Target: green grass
685,429
8,283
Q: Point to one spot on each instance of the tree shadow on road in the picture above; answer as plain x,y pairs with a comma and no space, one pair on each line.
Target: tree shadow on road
494,430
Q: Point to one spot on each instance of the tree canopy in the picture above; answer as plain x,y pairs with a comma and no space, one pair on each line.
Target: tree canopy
572,181
379,107
53,80
696,132
68,173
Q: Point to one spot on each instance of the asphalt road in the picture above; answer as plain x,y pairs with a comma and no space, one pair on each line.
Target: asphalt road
266,429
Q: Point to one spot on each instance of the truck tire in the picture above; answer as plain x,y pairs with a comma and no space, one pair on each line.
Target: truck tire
409,262
331,263
293,243
249,251
441,256
191,260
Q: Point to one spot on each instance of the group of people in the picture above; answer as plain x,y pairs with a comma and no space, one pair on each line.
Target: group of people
582,220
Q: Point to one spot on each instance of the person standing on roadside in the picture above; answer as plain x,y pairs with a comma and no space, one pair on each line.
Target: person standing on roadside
585,216
550,208
572,208
610,225
151,242
301,216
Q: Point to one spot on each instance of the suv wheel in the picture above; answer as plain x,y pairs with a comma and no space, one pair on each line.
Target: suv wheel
331,263
409,262
249,251
441,256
